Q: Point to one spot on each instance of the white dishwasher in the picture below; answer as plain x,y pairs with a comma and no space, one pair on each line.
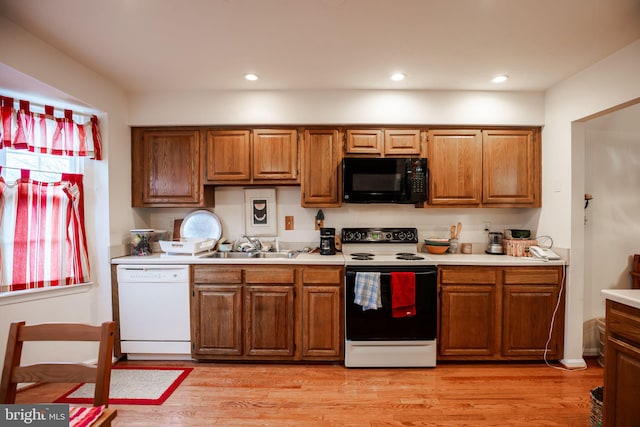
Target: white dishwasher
154,311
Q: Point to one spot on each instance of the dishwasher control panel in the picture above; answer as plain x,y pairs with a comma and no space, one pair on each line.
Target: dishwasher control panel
153,273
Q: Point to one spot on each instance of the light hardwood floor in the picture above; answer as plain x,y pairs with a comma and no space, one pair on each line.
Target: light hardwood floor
452,394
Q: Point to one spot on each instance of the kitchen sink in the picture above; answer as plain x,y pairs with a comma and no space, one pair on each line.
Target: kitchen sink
252,255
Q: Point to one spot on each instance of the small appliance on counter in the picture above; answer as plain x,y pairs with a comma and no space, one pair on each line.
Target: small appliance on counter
495,244
513,233
327,241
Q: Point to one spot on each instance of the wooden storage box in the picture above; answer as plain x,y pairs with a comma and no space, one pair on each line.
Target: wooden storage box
518,247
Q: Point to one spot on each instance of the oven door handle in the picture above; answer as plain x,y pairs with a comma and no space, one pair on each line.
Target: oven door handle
417,273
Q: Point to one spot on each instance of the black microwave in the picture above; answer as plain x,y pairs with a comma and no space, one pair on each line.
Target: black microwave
384,180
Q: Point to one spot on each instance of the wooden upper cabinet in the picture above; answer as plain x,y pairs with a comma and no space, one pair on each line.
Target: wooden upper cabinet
384,142
228,155
455,167
275,154
511,167
166,168
402,142
321,168
364,141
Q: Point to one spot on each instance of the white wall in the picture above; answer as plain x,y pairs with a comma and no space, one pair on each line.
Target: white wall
612,228
606,84
48,75
337,107
429,222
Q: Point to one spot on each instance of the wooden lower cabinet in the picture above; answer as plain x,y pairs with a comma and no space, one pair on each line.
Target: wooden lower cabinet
323,314
500,313
255,313
622,366
222,336
269,325
468,320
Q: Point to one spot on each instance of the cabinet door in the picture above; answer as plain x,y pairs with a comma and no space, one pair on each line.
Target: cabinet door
321,329
216,325
467,321
622,365
166,168
455,167
269,312
322,313
621,389
275,154
364,141
321,171
228,155
527,313
405,142
511,167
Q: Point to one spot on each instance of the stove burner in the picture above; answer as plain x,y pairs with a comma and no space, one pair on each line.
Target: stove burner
409,257
362,256
405,254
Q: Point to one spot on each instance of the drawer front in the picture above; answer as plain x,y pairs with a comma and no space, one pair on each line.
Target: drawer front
225,275
468,275
270,275
623,321
532,276
327,276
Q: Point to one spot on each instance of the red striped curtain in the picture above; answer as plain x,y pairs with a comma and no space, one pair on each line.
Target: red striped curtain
44,133
42,234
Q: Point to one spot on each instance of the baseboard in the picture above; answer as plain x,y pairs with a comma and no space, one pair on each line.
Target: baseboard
574,363
593,351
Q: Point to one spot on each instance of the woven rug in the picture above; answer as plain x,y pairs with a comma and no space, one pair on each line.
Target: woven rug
133,385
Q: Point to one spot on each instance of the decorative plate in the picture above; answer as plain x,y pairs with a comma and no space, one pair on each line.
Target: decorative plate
201,224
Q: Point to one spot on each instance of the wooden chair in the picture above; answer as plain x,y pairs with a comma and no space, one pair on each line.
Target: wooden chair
59,372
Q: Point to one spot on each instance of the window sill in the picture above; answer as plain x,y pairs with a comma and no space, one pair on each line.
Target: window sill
8,298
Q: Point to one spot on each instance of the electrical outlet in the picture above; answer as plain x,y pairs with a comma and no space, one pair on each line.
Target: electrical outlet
486,226
288,222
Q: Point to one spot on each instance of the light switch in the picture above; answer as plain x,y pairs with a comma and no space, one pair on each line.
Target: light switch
288,222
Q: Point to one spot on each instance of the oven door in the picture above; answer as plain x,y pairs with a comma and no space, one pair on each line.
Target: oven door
379,325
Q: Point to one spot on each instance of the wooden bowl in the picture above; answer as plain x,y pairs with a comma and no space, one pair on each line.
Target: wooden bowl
440,249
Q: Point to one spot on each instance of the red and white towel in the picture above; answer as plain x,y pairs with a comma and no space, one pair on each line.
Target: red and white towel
81,416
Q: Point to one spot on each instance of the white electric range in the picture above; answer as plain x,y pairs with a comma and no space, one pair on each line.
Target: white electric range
376,337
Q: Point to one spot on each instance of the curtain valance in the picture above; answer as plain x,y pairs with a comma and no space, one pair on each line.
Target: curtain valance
20,128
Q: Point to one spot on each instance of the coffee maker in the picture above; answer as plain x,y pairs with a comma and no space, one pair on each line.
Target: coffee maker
495,244
327,241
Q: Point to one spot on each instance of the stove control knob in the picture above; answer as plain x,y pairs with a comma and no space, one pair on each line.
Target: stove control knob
388,236
401,235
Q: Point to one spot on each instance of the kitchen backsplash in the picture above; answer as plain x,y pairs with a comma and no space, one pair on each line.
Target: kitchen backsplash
430,222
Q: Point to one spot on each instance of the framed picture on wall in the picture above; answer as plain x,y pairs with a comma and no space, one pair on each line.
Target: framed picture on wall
260,212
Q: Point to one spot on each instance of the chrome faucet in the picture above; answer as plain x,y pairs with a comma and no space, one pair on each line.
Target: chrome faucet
254,241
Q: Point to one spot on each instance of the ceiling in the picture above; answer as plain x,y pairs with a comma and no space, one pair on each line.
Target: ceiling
193,45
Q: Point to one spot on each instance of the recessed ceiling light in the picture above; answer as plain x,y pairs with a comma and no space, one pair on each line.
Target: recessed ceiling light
251,76
396,77
500,78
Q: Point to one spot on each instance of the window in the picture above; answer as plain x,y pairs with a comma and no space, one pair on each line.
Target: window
43,167
42,237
